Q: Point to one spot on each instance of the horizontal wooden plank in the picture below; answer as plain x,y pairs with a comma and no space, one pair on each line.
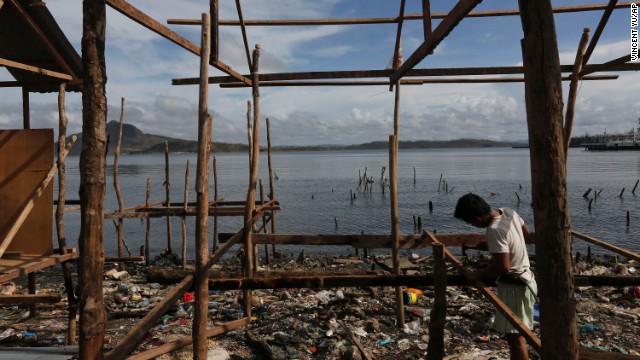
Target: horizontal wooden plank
18,299
14,268
389,20
34,69
605,245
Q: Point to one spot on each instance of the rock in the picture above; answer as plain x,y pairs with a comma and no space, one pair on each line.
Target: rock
218,353
351,353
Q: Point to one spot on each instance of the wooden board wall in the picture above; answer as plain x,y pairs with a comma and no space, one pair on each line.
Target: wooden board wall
25,159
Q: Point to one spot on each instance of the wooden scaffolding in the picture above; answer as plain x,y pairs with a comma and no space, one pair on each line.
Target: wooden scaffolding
549,133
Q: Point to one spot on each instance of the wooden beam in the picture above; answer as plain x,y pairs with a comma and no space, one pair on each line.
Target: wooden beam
244,33
20,299
396,60
42,37
26,114
392,20
596,35
145,20
616,249
215,29
34,69
188,340
31,264
459,11
13,83
406,82
360,74
608,65
573,92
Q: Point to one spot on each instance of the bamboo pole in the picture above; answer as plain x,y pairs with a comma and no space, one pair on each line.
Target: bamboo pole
272,194
116,184
167,186
60,210
147,234
573,91
251,192
395,227
184,218
29,205
201,281
92,182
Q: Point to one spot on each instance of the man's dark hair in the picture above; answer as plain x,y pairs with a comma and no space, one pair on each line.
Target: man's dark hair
471,206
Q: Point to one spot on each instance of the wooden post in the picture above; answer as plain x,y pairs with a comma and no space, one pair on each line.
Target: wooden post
439,311
184,218
426,19
147,234
215,198
395,227
264,225
272,194
116,185
92,182
31,282
573,91
167,186
249,132
543,95
201,276
62,194
26,117
251,192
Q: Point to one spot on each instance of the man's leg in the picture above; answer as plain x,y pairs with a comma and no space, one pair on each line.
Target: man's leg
517,347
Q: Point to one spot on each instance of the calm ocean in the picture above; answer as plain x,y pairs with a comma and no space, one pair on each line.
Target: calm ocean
313,189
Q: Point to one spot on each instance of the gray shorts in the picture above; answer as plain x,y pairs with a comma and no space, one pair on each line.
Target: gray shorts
520,299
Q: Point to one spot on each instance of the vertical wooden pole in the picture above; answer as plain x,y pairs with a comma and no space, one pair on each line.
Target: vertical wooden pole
184,218
426,19
253,176
116,185
439,311
395,227
31,282
213,10
62,195
167,187
92,181
272,194
215,198
201,278
147,234
543,95
573,92
264,225
249,132
26,114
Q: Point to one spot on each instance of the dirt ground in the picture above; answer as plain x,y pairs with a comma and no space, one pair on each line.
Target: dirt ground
309,323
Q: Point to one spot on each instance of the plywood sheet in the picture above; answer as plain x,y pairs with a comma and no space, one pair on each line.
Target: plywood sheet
25,159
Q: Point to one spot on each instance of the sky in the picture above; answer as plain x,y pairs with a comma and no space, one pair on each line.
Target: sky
141,65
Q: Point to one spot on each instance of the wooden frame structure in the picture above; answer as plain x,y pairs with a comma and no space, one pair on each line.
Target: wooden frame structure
542,77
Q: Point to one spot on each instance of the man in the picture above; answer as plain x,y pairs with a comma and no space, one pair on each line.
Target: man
505,233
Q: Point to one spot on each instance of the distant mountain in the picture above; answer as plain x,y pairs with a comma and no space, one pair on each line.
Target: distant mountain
135,141
427,144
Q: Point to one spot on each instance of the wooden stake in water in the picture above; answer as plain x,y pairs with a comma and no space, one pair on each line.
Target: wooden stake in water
635,186
621,192
167,187
147,234
184,218
586,193
518,196
116,185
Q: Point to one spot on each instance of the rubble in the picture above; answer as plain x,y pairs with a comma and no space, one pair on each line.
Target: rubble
334,323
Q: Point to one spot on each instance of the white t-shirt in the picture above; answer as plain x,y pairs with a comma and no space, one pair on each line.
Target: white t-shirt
504,235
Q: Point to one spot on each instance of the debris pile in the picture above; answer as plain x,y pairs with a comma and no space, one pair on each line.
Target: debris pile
333,323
